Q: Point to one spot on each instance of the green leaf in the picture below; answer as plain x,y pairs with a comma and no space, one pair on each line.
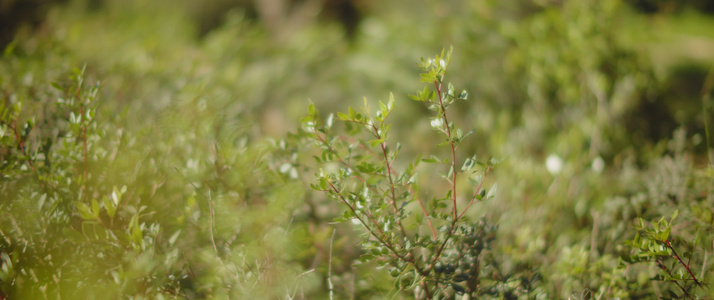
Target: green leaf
469,163
425,93
375,143
448,195
379,117
348,215
427,77
85,211
109,206
412,179
329,121
641,223
135,232
431,159
95,207
116,195
366,257
57,86
384,130
74,235
664,235
93,231
323,183
468,134
464,95
383,108
492,192
174,237
493,162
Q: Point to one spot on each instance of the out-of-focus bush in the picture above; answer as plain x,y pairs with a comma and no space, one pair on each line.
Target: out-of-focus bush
149,184
184,133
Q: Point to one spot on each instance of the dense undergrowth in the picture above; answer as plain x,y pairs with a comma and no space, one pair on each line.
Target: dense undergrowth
141,157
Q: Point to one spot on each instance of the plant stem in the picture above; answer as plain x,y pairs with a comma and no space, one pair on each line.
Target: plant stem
409,258
478,190
391,181
686,266
663,267
437,84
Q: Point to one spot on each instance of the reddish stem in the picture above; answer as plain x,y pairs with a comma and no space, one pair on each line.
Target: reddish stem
408,258
391,181
478,189
451,143
662,266
686,266
426,214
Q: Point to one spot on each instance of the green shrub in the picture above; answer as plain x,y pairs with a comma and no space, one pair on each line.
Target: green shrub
94,207
431,247
671,260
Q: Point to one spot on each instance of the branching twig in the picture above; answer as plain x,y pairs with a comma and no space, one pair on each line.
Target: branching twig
663,267
686,266
478,190
391,182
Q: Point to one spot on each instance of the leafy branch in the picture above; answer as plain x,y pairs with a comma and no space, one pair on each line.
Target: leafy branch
654,244
378,196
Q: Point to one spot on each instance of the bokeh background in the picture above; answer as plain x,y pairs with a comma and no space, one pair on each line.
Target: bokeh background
601,110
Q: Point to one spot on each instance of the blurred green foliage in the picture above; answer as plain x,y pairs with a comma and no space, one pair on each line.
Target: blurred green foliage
143,149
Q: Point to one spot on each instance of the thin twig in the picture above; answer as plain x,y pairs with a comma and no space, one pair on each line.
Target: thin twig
329,266
663,267
704,263
380,237
210,225
437,83
296,283
686,266
426,214
391,182
478,190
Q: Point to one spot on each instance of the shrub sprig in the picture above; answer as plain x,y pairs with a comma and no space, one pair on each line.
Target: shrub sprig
358,170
